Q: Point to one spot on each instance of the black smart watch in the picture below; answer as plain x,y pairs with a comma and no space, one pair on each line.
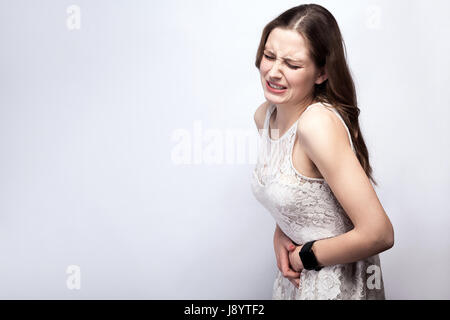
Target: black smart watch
308,257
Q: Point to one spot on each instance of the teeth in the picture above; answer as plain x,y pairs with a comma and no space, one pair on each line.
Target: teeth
275,87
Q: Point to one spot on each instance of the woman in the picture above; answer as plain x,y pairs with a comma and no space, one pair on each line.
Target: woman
313,172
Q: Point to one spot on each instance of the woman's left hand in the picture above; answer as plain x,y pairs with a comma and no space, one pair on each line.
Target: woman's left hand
294,259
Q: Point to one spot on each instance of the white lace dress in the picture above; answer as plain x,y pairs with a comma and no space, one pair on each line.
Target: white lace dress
306,209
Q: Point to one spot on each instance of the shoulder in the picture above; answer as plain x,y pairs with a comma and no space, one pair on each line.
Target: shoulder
319,129
317,116
260,115
324,139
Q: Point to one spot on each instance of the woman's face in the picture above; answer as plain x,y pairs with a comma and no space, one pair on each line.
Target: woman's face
286,62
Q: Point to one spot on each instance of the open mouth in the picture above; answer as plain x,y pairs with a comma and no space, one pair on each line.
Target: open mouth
275,87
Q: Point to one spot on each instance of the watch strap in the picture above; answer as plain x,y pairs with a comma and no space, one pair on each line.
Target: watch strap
308,257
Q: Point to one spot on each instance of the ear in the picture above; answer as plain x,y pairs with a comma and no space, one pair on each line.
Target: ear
322,76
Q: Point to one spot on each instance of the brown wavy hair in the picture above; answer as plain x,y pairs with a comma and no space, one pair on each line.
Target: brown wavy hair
326,49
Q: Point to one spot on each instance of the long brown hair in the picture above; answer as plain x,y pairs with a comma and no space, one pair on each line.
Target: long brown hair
326,49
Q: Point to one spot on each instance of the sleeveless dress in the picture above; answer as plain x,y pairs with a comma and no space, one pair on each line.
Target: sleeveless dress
305,209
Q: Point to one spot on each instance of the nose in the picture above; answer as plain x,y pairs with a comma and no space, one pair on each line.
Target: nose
274,71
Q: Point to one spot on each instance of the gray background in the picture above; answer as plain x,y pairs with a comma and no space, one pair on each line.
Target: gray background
87,119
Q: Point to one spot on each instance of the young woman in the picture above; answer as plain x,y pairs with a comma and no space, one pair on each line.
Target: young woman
313,173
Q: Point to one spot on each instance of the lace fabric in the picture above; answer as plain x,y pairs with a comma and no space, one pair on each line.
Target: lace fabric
306,209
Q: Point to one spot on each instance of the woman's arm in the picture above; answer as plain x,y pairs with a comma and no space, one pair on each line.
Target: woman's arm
346,248
283,245
326,143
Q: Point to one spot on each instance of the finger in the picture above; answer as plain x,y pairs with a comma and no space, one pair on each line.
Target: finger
290,246
285,266
284,261
277,257
297,285
292,274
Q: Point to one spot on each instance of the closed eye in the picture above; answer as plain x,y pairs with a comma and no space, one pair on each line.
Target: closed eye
290,66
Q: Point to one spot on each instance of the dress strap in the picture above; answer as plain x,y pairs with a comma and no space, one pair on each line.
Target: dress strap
269,111
267,119
343,122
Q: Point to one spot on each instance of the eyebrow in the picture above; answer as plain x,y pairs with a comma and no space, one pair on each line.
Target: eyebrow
286,59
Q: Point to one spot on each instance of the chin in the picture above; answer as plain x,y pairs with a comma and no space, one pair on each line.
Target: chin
269,99
273,99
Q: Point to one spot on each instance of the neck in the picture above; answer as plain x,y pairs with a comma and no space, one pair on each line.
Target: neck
285,115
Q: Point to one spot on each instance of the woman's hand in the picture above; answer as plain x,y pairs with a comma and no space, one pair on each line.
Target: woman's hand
283,247
294,259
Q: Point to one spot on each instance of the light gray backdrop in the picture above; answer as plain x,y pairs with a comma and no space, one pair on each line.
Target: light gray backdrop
98,99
